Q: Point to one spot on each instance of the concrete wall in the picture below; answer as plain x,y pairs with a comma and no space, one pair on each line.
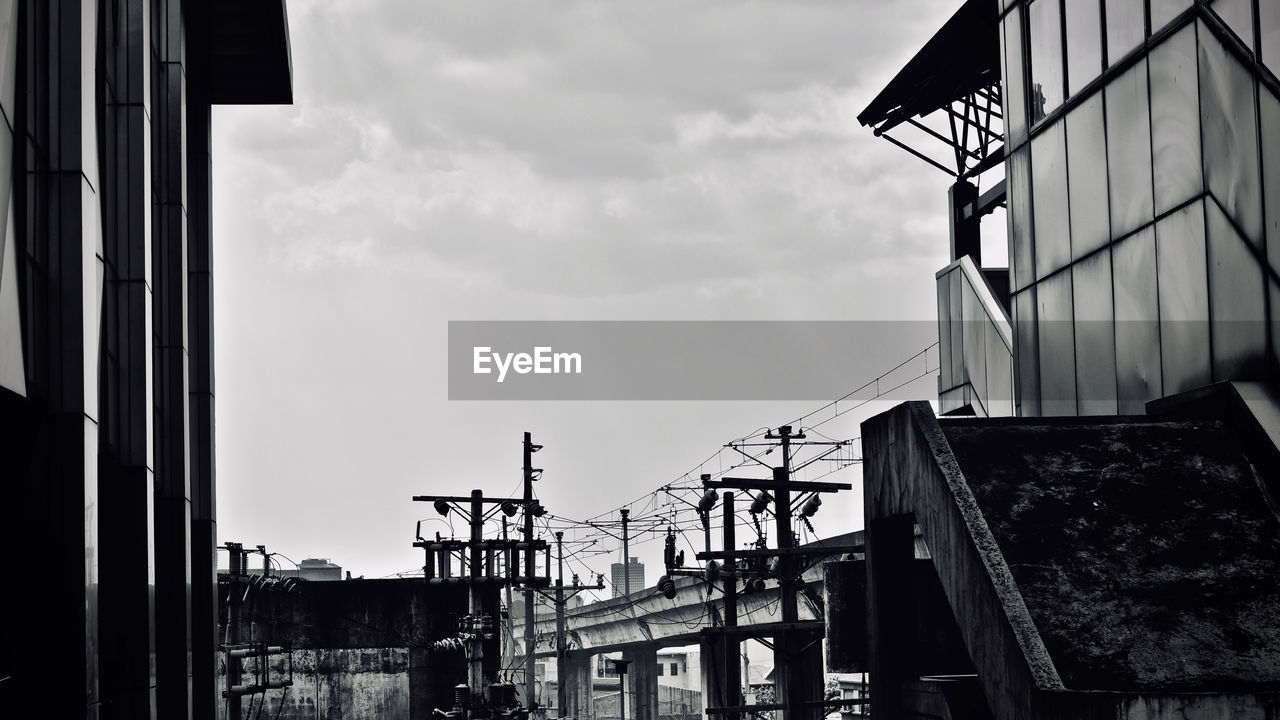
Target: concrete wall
360,648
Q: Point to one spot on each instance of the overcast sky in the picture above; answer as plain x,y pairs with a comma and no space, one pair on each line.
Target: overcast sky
540,161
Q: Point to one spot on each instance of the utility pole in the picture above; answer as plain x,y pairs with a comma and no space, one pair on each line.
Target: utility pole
732,679
626,555
236,550
508,654
791,637
529,628
789,691
561,696
562,646
478,554
475,675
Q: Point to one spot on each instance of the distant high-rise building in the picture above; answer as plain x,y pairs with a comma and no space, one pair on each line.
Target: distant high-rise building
621,574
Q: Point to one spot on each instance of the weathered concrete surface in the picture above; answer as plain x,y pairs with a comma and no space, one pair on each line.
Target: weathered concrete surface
344,683
910,476
1145,552
1120,553
361,648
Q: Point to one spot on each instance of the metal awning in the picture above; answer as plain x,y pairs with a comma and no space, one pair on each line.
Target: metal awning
959,65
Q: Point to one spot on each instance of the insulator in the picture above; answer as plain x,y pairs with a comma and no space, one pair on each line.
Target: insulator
811,506
761,503
708,501
667,586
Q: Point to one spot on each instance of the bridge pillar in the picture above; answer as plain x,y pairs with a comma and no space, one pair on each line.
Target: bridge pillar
799,656
579,678
642,678
711,659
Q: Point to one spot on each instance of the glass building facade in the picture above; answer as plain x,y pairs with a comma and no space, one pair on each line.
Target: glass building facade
1143,195
106,344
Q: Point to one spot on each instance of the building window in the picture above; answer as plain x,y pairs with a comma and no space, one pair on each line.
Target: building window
659,669
1045,30
1084,44
675,670
1126,26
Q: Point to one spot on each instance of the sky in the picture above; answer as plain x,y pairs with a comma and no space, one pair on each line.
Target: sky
556,160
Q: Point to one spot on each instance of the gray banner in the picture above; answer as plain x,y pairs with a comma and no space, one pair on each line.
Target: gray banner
679,360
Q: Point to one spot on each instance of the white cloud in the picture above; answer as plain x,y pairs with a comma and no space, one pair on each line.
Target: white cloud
552,160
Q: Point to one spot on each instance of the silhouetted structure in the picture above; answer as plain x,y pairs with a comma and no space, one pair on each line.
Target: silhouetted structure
106,345
1089,566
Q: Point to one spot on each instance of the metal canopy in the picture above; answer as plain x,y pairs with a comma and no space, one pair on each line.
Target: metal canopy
957,71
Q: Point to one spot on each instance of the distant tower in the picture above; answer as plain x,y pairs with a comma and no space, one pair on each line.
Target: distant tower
634,570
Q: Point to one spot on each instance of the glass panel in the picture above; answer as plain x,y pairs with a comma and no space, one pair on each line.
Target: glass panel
999,374
1021,251
1269,21
1236,302
975,346
1184,299
1133,267
1045,32
1026,353
1129,151
944,331
1015,109
1057,346
1087,178
1175,121
1126,27
1238,15
957,337
1275,321
1270,111
1230,135
1084,43
1049,199
1162,11
1094,335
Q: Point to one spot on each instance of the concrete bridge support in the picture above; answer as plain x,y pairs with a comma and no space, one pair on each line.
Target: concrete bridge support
579,677
711,658
642,682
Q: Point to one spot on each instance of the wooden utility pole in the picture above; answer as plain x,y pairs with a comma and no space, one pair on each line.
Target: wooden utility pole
561,656
626,554
479,555
732,678
475,608
529,629
789,691
562,645
791,636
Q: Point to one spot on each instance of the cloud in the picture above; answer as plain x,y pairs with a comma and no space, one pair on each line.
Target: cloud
604,148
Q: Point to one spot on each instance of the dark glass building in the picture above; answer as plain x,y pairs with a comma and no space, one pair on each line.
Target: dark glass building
106,345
